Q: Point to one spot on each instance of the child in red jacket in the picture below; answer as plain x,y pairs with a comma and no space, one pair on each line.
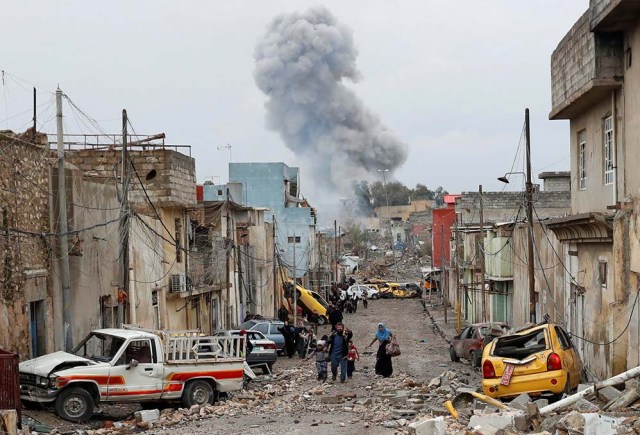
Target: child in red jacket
352,358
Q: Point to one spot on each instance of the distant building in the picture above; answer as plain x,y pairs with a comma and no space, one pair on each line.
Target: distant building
276,187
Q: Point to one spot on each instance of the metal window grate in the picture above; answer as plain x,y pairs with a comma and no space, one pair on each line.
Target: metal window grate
10,382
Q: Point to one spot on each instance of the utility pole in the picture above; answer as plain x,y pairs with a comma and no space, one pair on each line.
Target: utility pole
123,258
529,199
34,112
295,284
445,295
275,277
67,316
335,245
481,257
458,302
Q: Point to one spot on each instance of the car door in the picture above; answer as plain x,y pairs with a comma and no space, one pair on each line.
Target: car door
458,345
141,380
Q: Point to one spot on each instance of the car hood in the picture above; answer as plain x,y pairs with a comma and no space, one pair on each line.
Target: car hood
46,364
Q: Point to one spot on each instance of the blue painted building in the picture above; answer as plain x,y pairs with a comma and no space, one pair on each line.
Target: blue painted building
275,186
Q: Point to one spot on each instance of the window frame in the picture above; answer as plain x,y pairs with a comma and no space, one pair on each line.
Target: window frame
582,159
603,270
608,144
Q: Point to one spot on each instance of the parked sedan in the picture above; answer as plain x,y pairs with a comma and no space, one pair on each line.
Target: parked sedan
269,328
359,289
538,360
264,350
472,339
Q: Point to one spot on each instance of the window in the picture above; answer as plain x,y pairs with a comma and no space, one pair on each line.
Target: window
219,192
628,57
602,273
564,339
582,167
291,239
178,240
140,350
262,327
155,304
608,150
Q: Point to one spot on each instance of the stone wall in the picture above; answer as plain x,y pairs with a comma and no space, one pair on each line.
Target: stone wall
24,210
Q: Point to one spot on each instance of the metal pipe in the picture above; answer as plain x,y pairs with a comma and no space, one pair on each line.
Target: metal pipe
67,315
529,200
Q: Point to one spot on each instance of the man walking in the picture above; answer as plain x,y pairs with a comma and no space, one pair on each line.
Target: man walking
339,350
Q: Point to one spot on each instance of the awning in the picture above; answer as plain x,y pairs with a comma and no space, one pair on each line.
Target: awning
583,228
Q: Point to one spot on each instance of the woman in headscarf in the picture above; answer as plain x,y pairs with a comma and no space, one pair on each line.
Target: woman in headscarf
384,367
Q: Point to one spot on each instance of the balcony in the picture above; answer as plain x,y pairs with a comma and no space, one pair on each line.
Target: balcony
613,15
585,68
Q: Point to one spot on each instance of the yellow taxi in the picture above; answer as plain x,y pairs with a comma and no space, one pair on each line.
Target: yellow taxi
312,301
537,360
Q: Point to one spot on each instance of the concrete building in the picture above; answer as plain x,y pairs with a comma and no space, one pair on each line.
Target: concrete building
276,187
595,84
502,248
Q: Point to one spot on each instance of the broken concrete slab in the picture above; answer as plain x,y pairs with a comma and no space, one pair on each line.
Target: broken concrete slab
500,420
583,405
598,424
147,415
572,422
401,413
627,398
520,402
429,426
541,403
608,394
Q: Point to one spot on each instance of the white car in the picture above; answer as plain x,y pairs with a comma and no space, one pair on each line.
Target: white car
359,289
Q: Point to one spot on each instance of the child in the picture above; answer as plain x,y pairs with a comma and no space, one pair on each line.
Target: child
353,356
321,360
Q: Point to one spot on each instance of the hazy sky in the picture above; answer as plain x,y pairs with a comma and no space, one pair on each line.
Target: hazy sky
450,78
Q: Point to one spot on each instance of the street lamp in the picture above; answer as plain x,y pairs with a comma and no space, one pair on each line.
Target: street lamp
505,179
386,197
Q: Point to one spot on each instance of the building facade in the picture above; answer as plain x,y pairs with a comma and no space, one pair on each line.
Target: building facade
596,86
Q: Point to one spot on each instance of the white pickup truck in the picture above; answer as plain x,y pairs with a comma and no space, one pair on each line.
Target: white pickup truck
134,365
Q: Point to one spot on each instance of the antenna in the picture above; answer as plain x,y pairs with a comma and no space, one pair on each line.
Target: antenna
226,147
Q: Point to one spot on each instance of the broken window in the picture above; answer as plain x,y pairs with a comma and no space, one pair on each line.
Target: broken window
178,240
602,273
292,239
522,345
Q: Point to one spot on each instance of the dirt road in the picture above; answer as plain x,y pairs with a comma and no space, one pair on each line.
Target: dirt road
294,402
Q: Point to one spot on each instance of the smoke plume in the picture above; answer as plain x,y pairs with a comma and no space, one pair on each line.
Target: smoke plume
301,64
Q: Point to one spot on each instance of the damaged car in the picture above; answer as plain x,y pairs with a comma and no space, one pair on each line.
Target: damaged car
472,340
537,360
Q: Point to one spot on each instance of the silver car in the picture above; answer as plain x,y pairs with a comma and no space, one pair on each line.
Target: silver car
264,352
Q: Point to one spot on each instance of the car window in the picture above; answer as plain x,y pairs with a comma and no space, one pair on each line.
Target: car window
563,337
274,328
319,299
465,333
262,327
140,350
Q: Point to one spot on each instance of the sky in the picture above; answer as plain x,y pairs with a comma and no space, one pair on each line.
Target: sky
450,79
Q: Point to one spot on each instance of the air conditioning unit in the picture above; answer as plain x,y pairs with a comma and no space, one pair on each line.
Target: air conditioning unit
178,283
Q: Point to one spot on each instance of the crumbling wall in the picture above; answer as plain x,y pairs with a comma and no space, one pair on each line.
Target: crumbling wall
24,247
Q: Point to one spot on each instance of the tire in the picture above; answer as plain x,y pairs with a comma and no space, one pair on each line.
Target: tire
75,404
198,392
322,320
476,359
452,354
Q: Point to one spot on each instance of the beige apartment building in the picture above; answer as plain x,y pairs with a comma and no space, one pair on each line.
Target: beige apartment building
595,75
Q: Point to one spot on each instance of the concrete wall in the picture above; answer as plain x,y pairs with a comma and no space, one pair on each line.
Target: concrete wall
597,196
93,256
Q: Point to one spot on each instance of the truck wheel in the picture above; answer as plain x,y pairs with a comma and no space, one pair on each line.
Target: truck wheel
197,392
75,404
452,354
322,320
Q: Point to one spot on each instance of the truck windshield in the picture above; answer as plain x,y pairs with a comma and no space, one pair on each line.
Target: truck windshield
99,347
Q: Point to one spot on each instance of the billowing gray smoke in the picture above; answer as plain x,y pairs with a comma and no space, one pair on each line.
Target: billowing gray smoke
301,64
